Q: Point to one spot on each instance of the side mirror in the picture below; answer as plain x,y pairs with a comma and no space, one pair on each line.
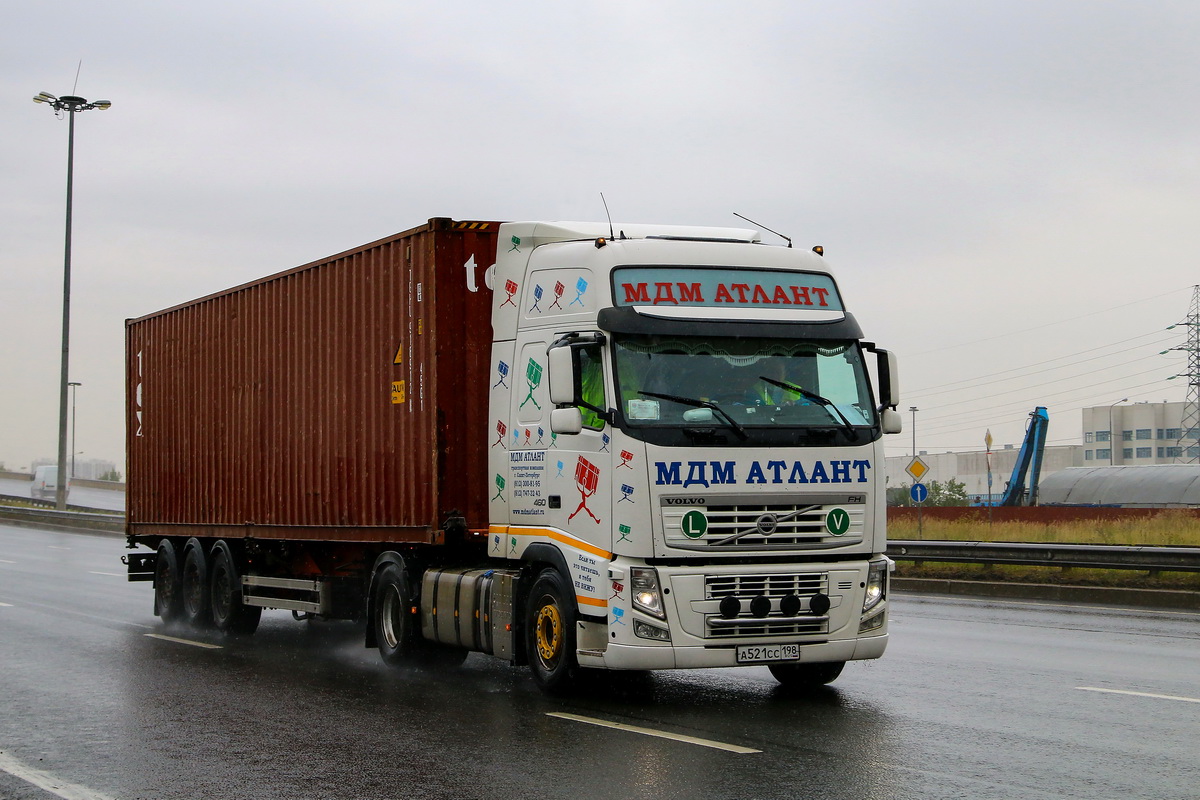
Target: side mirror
569,420
889,379
892,422
561,360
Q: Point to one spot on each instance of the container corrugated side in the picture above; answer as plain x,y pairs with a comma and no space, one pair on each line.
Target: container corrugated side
342,400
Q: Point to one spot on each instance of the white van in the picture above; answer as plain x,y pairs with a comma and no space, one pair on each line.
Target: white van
45,483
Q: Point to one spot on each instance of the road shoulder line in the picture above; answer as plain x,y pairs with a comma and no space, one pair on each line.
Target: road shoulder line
1140,694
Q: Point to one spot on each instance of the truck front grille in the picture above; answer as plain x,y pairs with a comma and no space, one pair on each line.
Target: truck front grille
763,607
764,524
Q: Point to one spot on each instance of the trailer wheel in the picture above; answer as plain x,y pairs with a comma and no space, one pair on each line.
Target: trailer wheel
550,633
225,589
395,625
197,607
168,594
806,676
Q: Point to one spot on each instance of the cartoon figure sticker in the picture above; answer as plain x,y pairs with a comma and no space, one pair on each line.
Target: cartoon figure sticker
510,289
533,379
587,480
581,286
502,371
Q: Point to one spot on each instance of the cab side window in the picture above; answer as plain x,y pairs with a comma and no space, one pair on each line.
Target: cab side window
591,378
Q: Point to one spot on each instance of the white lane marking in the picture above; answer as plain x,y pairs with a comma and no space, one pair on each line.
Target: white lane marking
6,561
56,547
732,748
6,605
113,574
183,641
1140,694
48,782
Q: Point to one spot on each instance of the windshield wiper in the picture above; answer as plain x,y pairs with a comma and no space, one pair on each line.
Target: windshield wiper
694,403
816,398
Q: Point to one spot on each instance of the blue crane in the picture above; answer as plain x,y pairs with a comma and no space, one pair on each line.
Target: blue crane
1029,463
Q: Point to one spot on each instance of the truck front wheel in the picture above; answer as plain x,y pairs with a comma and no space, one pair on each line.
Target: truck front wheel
395,625
806,676
550,633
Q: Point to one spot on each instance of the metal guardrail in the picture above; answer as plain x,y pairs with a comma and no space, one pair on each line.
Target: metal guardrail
62,520
1134,557
1130,557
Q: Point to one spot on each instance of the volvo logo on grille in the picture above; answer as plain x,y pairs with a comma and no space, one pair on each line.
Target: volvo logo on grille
767,524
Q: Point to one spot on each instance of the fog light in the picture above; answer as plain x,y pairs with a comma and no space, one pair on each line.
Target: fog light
874,623
647,631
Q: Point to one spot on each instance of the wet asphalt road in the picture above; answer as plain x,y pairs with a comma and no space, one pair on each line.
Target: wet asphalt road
973,699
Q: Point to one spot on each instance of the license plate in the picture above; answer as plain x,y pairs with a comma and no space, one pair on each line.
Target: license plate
762,653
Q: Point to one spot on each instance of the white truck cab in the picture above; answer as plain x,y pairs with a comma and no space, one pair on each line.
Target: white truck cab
685,421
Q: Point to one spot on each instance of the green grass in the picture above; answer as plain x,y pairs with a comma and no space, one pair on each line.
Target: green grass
1165,528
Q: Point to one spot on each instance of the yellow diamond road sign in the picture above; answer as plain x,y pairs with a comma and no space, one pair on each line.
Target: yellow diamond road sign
917,468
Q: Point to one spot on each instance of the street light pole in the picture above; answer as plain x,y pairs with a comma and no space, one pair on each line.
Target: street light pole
914,411
74,385
1112,439
71,105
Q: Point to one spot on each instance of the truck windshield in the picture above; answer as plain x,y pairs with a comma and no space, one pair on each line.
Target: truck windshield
742,383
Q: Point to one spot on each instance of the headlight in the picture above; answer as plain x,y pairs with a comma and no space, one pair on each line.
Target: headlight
643,582
876,585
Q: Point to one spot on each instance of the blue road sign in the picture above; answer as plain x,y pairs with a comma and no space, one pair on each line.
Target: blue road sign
919,493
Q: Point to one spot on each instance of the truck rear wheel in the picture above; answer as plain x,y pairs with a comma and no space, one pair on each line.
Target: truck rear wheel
807,676
225,589
550,633
196,599
168,594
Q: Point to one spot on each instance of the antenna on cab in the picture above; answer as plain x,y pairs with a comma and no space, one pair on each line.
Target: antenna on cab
611,235
765,228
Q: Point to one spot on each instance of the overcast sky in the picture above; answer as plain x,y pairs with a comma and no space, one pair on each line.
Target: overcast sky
1009,192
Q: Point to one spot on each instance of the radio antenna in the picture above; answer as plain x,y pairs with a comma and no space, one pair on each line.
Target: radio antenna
611,235
765,228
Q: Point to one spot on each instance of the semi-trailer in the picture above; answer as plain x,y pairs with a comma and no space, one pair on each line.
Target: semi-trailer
569,445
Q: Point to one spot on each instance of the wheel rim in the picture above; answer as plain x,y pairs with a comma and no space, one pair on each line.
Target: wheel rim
191,587
166,587
222,599
389,617
548,633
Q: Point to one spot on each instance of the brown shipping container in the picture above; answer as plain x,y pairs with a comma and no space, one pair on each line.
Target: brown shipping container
344,400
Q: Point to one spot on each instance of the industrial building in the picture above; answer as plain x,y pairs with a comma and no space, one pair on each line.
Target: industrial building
1143,434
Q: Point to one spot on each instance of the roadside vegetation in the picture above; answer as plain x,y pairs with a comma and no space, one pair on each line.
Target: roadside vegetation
1166,528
